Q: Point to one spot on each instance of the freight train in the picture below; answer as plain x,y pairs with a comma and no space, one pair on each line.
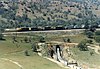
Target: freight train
22,29
47,28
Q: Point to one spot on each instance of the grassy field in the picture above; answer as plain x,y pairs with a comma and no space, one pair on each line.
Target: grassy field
16,51
58,36
55,36
85,58
9,50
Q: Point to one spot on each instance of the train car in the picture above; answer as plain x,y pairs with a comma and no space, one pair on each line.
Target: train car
22,29
34,29
49,28
10,30
37,29
60,28
40,28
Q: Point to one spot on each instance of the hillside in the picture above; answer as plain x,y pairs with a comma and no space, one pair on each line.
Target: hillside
26,13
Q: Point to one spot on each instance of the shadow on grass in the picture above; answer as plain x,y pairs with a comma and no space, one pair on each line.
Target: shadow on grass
2,39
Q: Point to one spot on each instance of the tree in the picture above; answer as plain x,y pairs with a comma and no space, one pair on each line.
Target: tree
82,45
44,14
42,39
90,41
26,53
97,32
34,48
86,24
80,15
89,34
91,53
68,40
48,18
26,39
92,29
97,39
14,39
1,35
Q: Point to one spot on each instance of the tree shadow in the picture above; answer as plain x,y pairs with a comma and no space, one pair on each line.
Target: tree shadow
2,39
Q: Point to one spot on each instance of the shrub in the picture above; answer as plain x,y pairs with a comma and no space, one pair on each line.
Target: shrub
97,39
34,47
1,36
89,34
82,45
97,33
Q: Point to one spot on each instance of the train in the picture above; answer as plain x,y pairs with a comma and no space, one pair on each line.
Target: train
46,28
22,29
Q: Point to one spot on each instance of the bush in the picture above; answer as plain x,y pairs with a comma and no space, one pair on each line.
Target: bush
97,33
89,34
67,40
82,46
90,41
97,39
44,50
42,39
44,14
1,36
34,47
27,53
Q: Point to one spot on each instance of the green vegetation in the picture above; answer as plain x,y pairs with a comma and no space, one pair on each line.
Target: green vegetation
89,34
97,33
76,38
82,45
97,39
1,36
85,57
16,52
22,49
50,14
97,36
